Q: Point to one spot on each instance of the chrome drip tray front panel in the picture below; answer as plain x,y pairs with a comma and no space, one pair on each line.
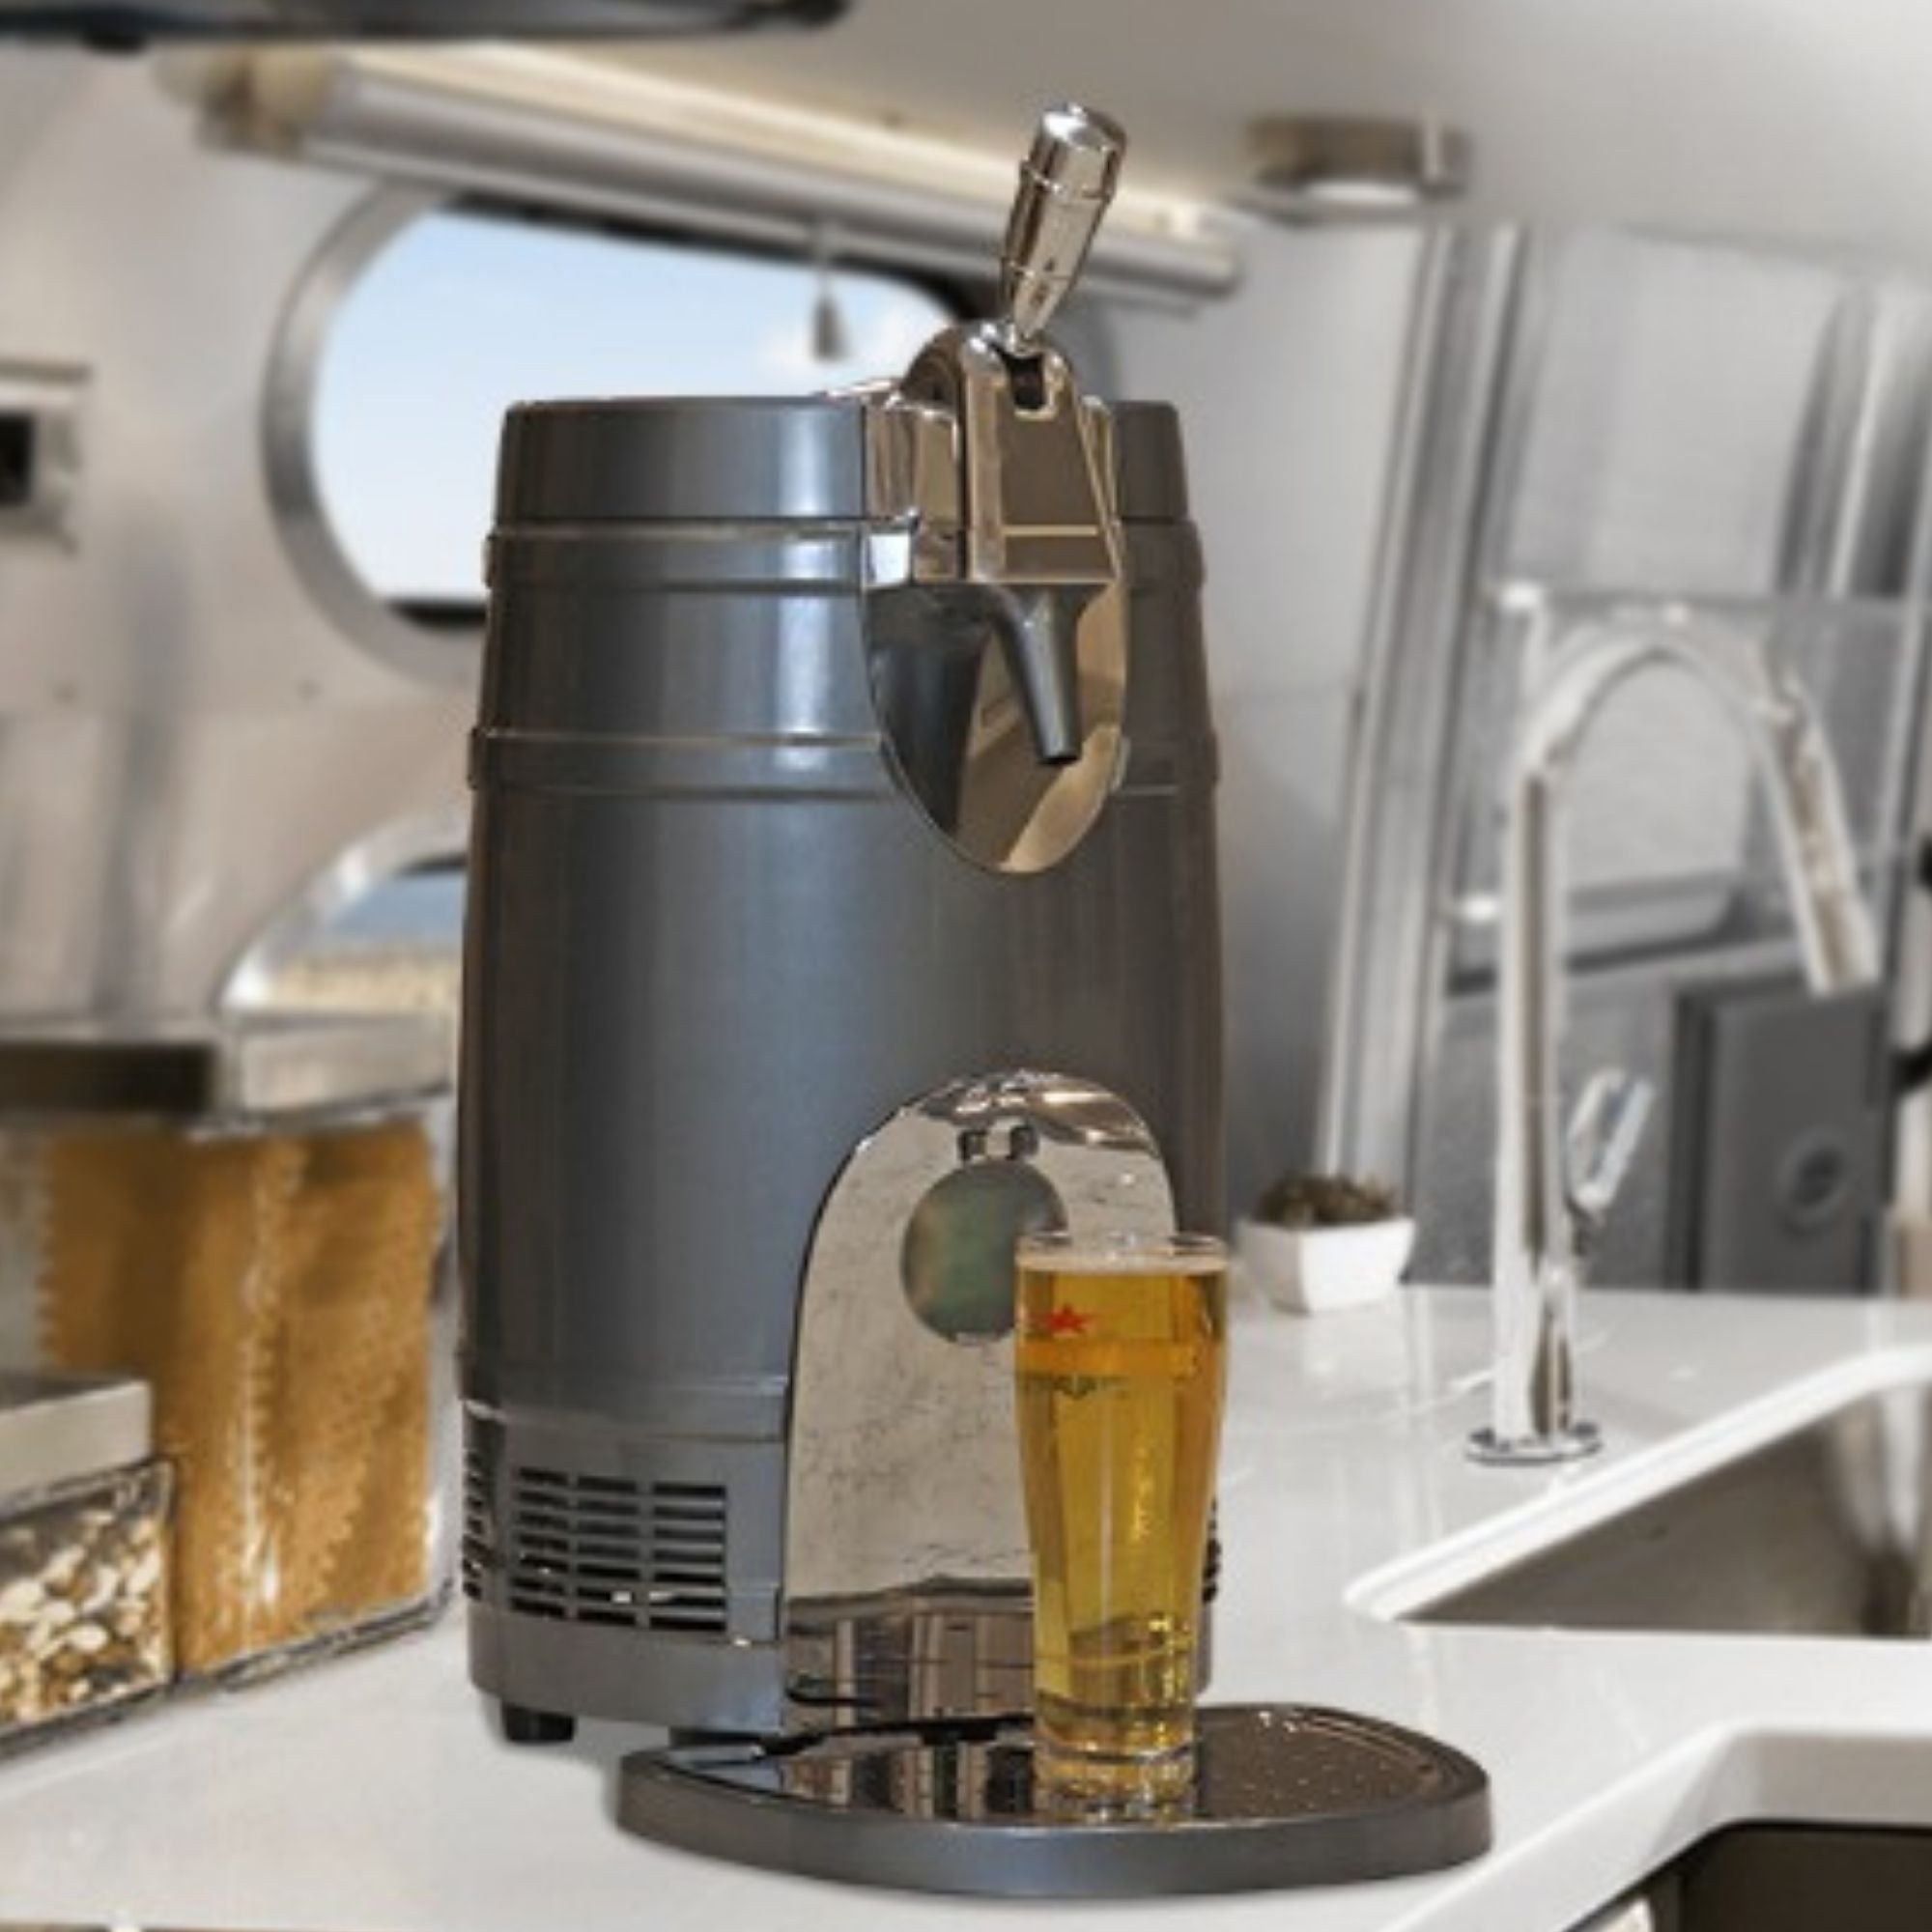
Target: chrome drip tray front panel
907,1580
1284,1797
909,1657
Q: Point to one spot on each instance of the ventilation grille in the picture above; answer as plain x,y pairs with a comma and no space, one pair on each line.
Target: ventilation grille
599,1550
477,1550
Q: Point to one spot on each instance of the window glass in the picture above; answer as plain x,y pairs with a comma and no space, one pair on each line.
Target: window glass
466,313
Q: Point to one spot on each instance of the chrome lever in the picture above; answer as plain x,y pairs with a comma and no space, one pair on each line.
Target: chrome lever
1066,182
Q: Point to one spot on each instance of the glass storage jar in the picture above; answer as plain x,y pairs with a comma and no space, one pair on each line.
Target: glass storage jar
85,1628
251,1220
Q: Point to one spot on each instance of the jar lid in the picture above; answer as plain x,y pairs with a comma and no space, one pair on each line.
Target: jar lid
253,1067
56,1428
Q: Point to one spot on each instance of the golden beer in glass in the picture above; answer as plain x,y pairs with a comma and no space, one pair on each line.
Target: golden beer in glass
1121,1358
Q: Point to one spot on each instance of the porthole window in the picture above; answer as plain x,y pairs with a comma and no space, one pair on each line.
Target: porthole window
463,313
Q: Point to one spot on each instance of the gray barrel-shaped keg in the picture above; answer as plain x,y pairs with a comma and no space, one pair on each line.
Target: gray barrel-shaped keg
717,935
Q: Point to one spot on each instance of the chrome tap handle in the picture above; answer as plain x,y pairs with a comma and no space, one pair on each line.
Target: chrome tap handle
1065,183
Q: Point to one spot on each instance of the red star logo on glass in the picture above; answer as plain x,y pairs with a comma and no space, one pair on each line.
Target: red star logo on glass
1067,1322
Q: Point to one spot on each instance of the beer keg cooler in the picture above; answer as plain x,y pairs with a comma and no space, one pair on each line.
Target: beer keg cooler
842,905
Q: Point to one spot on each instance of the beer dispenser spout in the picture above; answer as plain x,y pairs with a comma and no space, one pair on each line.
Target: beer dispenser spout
1003,470
1038,628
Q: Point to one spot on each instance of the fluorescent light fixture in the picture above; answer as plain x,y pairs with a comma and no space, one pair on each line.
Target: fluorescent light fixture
558,129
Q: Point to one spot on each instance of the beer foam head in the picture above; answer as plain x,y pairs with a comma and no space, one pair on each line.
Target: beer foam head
1105,1253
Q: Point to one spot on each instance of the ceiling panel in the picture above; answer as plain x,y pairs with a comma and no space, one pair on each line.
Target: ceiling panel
1796,118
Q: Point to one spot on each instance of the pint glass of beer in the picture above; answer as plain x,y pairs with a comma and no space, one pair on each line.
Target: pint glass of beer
1121,1356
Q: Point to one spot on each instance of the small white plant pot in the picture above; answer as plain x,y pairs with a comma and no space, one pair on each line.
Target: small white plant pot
1315,1270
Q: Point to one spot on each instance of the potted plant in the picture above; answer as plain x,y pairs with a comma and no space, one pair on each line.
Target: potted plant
1320,1241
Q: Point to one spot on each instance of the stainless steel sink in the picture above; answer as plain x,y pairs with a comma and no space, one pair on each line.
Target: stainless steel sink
1786,1878
1823,1532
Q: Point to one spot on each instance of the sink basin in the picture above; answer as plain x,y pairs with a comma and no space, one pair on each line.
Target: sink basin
1824,1531
1786,1878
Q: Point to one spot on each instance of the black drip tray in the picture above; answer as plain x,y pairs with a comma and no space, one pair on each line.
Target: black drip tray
1283,1796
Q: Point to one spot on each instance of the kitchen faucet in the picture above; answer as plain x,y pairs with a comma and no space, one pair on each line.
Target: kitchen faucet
1543,1211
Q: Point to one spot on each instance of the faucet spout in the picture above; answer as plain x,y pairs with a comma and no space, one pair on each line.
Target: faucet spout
1037,633
1534,1414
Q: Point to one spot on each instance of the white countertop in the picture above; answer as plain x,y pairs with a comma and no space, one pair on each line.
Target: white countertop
371,1796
